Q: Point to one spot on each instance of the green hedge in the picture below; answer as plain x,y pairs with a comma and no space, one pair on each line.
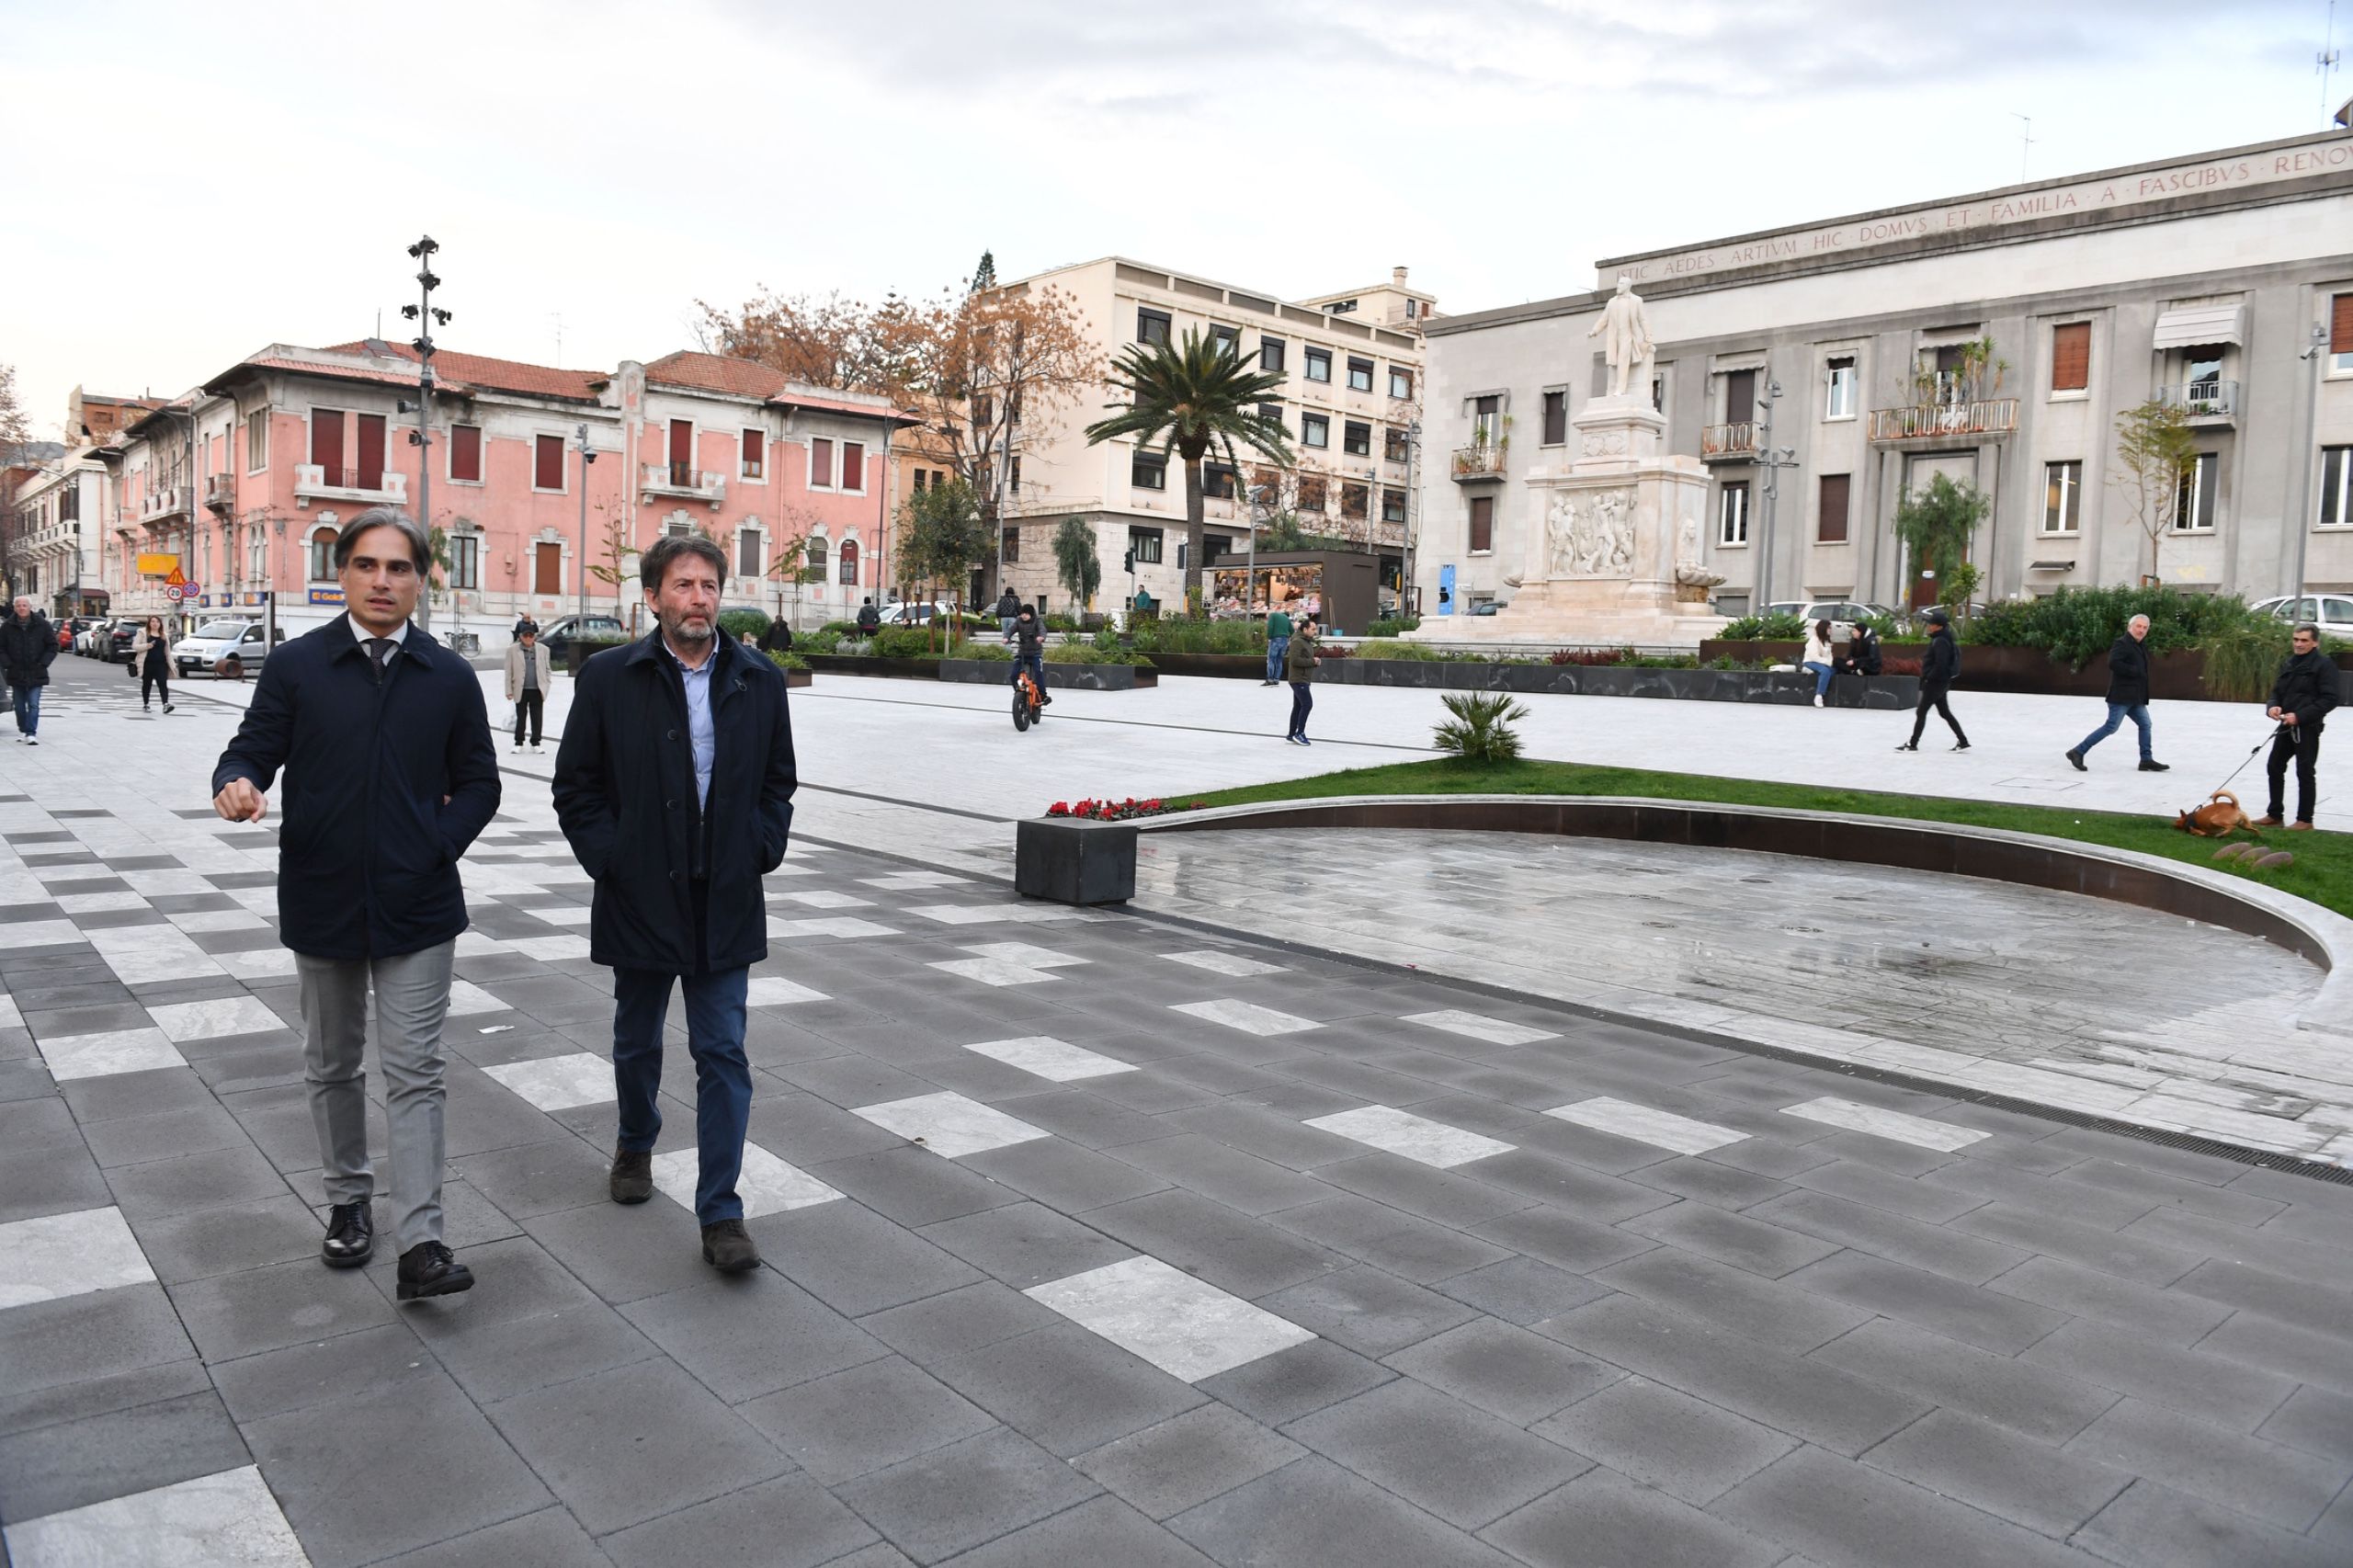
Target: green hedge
1183,635
2074,624
784,661
1088,653
733,623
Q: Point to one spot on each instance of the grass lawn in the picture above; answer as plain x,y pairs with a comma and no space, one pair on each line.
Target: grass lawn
2323,871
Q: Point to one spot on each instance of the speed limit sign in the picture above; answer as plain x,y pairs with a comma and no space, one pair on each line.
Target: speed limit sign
173,594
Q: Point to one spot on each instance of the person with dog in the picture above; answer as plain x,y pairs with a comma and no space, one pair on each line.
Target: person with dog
1939,667
2301,699
2128,696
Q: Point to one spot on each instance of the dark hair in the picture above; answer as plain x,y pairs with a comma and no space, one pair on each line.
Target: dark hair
1823,629
420,549
653,566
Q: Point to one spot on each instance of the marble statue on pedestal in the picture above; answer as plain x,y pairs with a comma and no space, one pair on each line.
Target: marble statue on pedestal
1624,329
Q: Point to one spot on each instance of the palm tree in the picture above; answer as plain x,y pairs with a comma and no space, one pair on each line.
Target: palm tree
1189,400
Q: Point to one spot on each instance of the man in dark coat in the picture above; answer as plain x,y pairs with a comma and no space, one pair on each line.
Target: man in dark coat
390,775
2301,699
869,619
777,638
1939,667
1863,652
2128,694
28,647
674,785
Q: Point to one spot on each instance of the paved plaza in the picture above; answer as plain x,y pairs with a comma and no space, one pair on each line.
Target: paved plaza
1093,1238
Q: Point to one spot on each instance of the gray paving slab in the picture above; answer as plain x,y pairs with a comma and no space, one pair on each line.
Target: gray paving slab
744,1338
549,1539
1850,1515
866,1419
1972,1314
1665,1438
1503,1369
1603,1517
1785,1314
1066,1389
1187,1460
2023,1480
2202,1383
2286,1486
69,1464
1313,1514
1460,1463
1025,1243
2153,1523
2043,1402
965,1494
796,1523
1103,1530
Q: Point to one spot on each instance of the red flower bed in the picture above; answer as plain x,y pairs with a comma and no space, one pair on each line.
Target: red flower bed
1118,811
1591,656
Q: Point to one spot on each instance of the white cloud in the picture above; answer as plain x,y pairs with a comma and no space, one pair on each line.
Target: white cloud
194,182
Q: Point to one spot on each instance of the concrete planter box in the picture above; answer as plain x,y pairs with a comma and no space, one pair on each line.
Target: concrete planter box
1070,860
868,665
1059,678
1622,680
2178,676
794,679
1229,666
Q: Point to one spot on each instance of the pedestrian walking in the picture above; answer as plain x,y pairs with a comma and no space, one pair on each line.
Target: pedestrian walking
520,622
1009,609
674,784
869,619
28,647
1298,668
777,638
529,676
1863,652
151,656
2128,696
390,773
2301,699
1816,658
1939,667
1278,641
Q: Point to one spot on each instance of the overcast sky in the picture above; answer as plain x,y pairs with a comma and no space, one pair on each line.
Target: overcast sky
191,182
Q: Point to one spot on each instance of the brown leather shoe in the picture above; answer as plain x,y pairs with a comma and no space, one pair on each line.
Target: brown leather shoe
2267,821
2300,827
729,1249
632,1178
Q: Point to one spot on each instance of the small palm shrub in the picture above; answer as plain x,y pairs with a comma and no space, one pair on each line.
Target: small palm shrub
1481,729
1778,628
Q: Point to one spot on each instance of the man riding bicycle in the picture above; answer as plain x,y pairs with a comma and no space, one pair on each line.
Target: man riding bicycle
1030,633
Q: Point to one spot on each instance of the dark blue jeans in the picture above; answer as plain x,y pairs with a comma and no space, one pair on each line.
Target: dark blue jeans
1275,647
1035,664
1302,702
723,1075
2116,714
28,706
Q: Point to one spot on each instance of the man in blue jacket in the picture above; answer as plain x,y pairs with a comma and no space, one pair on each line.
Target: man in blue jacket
390,775
674,785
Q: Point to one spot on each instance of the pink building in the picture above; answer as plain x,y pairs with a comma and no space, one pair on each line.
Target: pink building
245,481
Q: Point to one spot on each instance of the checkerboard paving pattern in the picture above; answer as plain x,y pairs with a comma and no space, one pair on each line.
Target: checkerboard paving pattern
1194,1251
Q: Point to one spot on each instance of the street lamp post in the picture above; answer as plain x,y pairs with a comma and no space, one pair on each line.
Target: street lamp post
1772,460
1409,597
426,317
2316,350
580,445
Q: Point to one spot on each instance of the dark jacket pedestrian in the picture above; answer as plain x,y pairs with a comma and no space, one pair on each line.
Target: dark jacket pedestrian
387,783
1939,667
28,646
2128,671
1300,661
625,795
777,638
2127,698
1862,652
151,661
2301,699
1007,605
869,619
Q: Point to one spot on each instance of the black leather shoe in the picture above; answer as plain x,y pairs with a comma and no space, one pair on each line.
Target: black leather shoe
2075,760
352,1236
729,1249
427,1269
632,1178
2151,765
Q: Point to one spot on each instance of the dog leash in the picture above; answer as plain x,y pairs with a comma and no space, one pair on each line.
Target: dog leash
2251,757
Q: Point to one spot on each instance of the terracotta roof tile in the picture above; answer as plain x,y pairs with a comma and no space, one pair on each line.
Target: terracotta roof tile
749,377
498,375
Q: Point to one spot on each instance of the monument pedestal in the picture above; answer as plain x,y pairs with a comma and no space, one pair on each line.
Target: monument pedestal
1612,555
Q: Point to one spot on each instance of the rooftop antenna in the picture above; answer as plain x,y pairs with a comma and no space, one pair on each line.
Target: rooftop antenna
2026,135
2325,60
557,318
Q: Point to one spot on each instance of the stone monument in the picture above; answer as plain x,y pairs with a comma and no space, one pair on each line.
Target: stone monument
1612,552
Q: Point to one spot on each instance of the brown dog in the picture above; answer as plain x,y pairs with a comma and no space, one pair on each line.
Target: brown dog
2217,818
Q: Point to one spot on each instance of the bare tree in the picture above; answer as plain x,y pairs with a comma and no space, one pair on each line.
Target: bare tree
2155,458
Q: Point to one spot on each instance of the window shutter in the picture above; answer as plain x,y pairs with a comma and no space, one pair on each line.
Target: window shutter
2071,357
2340,324
547,472
752,443
1483,523
465,451
821,462
854,465
1556,418
1832,529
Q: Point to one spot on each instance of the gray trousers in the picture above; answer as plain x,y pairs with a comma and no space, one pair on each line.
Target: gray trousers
412,999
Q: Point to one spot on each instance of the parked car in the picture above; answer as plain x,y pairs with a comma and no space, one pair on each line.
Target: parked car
1841,614
120,638
557,635
908,613
1485,607
2333,613
69,631
229,648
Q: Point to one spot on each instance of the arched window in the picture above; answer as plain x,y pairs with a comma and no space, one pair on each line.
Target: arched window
849,562
323,556
813,558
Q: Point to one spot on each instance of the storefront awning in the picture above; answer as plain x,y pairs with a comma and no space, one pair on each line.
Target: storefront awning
2193,326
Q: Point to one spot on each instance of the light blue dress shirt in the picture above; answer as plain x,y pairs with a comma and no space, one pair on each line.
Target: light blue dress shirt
699,729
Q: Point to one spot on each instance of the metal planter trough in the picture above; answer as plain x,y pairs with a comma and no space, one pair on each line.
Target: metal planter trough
1059,678
1790,688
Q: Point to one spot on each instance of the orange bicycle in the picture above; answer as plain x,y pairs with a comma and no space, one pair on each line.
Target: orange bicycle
1028,701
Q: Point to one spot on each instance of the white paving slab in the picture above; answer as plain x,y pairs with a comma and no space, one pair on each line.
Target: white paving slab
1415,1136
1247,1016
1051,1058
227,1520
994,972
904,881
219,920
68,1254
261,964
26,936
775,991
1024,954
115,1050
1647,1124
562,914
473,944
995,914
467,999
1218,961
1478,1026
820,898
559,1083
949,1124
11,1018
829,926
1895,1124
1185,1326
214,1019
550,949
166,882
766,1185
99,902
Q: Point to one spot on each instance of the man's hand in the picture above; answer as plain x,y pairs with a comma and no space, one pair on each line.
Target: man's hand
240,802
2272,713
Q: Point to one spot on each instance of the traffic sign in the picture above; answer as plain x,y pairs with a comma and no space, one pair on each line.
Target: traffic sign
175,579
191,590
172,592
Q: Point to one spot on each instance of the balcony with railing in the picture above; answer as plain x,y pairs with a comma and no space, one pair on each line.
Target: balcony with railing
1485,461
683,480
220,492
1728,443
2208,402
1941,421
164,501
321,483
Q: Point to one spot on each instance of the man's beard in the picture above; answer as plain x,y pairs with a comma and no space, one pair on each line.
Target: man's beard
676,627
